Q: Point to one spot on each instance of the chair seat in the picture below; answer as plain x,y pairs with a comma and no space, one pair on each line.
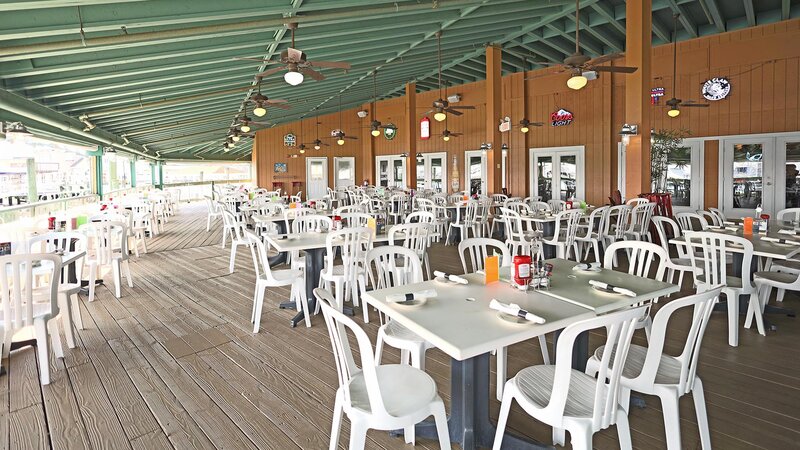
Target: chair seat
404,389
775,277
730,281
536,384
789,265
669,369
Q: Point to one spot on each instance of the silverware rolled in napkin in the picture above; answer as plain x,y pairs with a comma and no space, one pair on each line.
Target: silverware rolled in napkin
610,287
514,310
399,298
586,266
453,278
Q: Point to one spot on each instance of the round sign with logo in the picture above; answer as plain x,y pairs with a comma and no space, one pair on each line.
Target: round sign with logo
390,131
716,88
290,140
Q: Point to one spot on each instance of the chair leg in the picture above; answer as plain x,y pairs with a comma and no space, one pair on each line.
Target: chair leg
258,306
76,311
754,310
440,416
672,419
581,439
358,436
233,256
545,352
502,419
55,337
624,431
502,361
379,348
337,423
42,349
702,418
66,319
127,267
733,319
92,281
418,358
117,278
781,293
559,436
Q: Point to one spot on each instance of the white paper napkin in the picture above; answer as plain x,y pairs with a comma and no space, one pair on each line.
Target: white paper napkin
514,310
453,278
785,231
780,241
586,266
399,298
609,287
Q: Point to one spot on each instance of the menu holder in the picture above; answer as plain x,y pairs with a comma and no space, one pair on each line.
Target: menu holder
292,205
747,225
372,225
491,266
81,220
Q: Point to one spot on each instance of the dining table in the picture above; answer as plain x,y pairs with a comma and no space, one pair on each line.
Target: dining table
459,322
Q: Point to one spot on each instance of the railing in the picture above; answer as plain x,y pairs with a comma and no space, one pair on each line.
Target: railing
197,190
45,208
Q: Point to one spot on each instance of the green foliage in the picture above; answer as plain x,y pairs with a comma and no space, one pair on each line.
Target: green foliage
666,147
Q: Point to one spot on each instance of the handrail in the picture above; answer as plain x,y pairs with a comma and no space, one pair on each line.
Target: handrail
13,213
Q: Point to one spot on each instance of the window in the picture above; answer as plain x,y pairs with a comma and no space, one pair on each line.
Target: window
116,172
144,174
188,172
59,169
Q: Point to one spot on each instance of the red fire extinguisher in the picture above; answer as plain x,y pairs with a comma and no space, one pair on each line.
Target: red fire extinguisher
522,269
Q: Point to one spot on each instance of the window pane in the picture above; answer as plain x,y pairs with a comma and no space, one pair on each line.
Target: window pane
316,171
544,177
144,176
792,178
383,173
569,173
748,172
399,174
679,176
421,182
475,174
436,174
187,172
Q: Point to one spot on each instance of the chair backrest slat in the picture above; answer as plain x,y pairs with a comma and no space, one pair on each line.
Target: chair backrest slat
475,250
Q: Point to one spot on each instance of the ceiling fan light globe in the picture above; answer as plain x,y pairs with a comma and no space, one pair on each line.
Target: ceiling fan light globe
440,116
445,138
674,112
260,111
293,77
524,129
577,82
302,150
245,129
235,138
340,141
375,132
316,147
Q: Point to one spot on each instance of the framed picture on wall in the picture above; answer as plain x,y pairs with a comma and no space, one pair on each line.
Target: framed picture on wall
280,168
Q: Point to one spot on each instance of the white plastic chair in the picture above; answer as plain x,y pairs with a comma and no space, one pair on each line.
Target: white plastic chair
666,227
557,205
20,285
236,231
353,244
463,223
382,397
720,215
789,214
616,224
567,399
267,278
636,201
649,370
589,233
417,237
564,236
213,212
108,246
639,227
710,270
517,239
687,221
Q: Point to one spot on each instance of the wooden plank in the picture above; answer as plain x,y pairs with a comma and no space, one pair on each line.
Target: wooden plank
27,428
102,425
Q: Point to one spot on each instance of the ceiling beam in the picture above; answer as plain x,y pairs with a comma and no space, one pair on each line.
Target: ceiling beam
685,19
608,13
716,16
749,12
598,33
40,4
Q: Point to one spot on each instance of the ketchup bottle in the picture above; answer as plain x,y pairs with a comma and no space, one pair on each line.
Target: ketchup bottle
522,269
337,222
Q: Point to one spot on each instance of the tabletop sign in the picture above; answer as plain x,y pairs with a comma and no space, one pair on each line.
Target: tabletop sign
425,128
289,140
491,266
716,88
560,118
390,131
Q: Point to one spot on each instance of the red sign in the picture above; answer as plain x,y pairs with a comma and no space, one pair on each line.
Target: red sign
560,118
425,128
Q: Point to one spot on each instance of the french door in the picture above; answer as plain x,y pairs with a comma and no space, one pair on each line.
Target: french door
432,172
316,177
475,172
760,171
684,176
344,171
557,172
391,171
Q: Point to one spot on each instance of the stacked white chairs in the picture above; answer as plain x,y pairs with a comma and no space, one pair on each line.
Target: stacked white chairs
539,206
68,301
517,239
356,219
710,270
588,235
667,229
499,198
639,226
645,260
108,246
710,218
649,370
616,224
353,245
268,278
236,231
29,300
397,208
383,397
563,238
720,215
569,400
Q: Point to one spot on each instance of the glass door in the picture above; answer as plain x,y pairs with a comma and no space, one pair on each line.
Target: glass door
748,168
557,173
788,172
391,171
345,171
683,177
316,178
475,172
432,172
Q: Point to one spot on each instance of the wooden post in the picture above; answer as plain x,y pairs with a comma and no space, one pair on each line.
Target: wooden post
638,30
368,151
494,111
410,135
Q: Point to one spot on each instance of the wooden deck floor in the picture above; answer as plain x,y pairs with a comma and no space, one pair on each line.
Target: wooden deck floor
173,363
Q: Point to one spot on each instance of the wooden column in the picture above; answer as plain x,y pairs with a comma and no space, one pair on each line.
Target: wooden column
368,151
638,30
410,135
494,112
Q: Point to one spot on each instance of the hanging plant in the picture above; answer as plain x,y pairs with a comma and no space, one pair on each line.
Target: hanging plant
666,146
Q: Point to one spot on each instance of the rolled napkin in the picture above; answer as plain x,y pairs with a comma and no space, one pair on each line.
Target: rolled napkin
586,266
785,231
779,241
514,310
399,298
453,278
610,287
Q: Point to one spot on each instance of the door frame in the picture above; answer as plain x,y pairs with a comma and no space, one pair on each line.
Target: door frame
580,162
390,158
726,186
309,160
484,175
697,161
336,159
780,168
426,159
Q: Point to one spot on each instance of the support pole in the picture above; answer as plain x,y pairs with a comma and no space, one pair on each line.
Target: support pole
638,30
494,108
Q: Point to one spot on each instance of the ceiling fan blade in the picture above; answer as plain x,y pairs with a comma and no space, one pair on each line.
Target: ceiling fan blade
460,107
312,73
605,58
260,123
454,112
695,105
619,69
269,72
277,100
427,112
265,61
350,137
330,64
280,105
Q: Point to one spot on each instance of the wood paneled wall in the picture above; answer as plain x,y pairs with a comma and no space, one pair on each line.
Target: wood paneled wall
763,64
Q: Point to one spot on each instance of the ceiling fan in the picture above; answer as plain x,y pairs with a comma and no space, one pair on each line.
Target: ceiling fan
441,106
675,103
262,101
375,125
339,134
447,134
578,63
297,65
317,143
525,124
244,123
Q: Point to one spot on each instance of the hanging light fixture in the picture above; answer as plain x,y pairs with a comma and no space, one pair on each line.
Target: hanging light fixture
302,150
446,137
375,131
340,141
420,157
245,128
235,138
674,112
627,131
293,77
577,80
524,128
439,116
259,110
316,147
18,128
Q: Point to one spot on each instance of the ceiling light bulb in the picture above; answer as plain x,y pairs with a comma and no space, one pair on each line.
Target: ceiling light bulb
316,147
524,129
245,128
376,132
577,82
440,116
302,150
230,144
260,111
294,78
340,141
236,138
445,138
674,112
